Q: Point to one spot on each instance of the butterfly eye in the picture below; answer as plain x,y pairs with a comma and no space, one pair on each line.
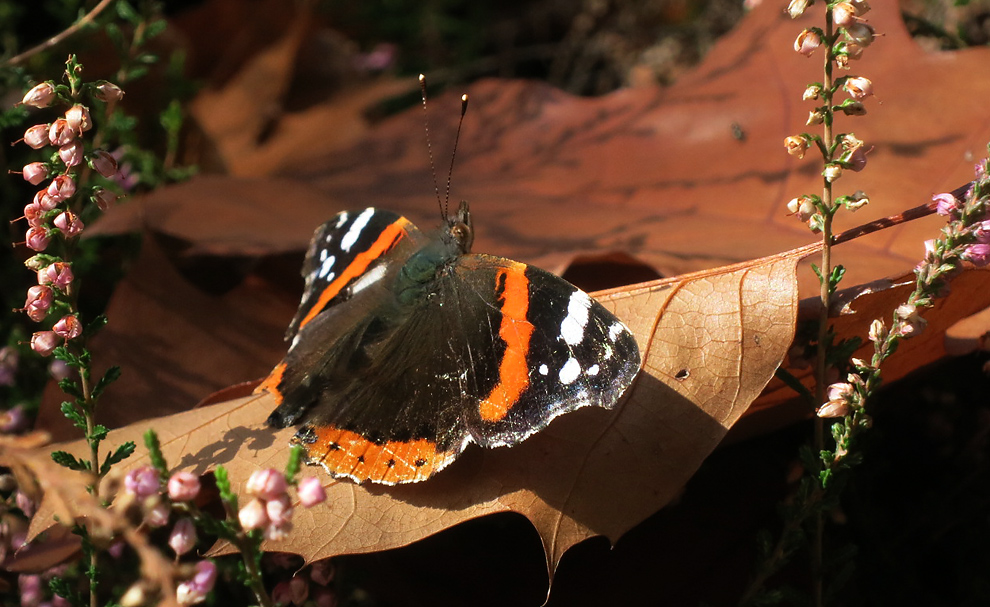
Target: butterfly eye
460,232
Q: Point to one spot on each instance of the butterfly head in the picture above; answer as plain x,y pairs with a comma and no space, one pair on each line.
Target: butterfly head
458,230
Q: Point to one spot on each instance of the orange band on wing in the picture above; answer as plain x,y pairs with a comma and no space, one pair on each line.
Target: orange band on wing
386,240
515,331
270,383
346,453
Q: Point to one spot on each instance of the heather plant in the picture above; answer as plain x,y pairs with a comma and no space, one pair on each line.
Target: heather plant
840,406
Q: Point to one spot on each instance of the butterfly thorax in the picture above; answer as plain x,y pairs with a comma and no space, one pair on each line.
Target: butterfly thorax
418,277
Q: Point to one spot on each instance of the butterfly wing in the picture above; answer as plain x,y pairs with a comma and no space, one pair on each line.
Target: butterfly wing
491,355
349,258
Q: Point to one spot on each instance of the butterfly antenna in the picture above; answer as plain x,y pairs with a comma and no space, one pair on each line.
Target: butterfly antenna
429,149
457,137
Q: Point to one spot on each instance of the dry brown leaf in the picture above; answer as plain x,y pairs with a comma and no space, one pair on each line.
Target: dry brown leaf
711,341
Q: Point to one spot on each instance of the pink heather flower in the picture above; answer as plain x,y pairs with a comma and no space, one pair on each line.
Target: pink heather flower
78,118
803,206
322,572
41,296
267,484
60,133
946,204
34,214
912,322
856,160
36,313
279,511
253,515
977,254
839,396
59,370
35,172
806,42
68,327
281,593
69,224
58,274
183,536
158,516
9,358
143,482
183,486
324,597
44,200
311,492
103,163
862,34
981,232
195,590
796,145
858,87
844,14
116,549
796,8
43,342
61,188
109,93
854,108
104,198
36,137
29,587
71,153
13,420
298,590
40,96
37,238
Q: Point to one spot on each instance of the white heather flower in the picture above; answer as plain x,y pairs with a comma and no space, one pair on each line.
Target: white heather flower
796,145
806,42
832,172
812,92
858,87
40,96
796,8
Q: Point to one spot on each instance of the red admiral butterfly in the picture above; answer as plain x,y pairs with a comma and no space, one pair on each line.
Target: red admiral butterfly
407,347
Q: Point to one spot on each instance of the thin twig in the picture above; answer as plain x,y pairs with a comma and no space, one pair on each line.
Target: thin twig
88,18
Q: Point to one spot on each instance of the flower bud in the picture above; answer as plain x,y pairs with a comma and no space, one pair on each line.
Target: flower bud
977,254
42,95
183,536
298,590
43,342
35,172
62,188
59,370
806,42
143,482
796,8
37,238
44,200
912,322
157,516
844,14
183,486
279,511
109,93
58,274
862,34
946,204
68,327
103,163
196,590
253,515
812,92
71,153
858,200
858,87
877,331
40,297
839,396
9,359
853,108
14,420
36,137
803,206
104,198
78,118
69,224
815,117
267,484
832,172
322,572
311,492
796,145
60,133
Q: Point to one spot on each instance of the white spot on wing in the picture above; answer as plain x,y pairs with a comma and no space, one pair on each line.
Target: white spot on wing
326,265
570,371
544,369
355,230
368,278
572,327
615,330
593,370
341,220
